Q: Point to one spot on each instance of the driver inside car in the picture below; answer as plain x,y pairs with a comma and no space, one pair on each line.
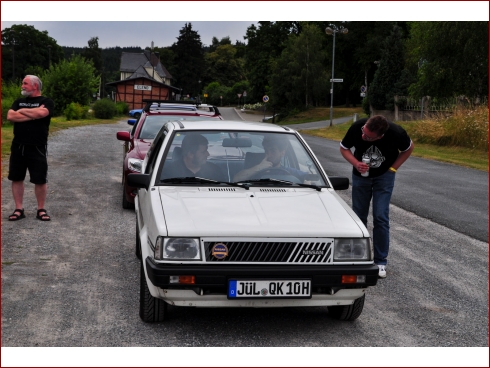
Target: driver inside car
275,148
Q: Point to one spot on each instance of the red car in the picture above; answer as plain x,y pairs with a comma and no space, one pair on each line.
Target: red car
138,140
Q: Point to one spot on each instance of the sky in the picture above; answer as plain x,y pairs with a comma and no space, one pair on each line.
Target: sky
138,23
126,33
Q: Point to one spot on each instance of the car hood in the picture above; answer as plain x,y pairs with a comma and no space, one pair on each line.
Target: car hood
258,212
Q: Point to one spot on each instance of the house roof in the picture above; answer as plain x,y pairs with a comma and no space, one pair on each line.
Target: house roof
130,62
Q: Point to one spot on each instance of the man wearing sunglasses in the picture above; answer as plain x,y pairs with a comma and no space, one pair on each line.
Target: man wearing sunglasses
387,146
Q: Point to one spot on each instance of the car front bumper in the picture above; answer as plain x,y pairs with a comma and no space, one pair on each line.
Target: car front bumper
211,283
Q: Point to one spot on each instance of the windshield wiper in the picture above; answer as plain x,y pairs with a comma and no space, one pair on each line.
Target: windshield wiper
270,180
196,179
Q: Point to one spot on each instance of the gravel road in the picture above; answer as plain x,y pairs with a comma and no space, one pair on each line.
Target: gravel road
74,282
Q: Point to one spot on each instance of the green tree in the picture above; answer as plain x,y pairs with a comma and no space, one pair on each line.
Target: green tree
235,90
299,75
265,44
189,52
223,67
215,43
391,64
70,81
25,47
94,52
215,91
449,58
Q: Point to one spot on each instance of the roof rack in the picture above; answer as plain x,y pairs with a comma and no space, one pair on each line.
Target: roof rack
154,104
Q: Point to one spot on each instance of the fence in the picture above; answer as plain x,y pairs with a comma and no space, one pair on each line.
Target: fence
407,109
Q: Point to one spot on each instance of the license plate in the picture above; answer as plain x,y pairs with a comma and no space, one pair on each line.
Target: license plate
269,289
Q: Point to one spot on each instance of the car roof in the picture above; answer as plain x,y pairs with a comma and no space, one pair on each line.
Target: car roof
232,125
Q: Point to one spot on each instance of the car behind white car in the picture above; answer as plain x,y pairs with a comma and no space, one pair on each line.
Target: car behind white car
245,217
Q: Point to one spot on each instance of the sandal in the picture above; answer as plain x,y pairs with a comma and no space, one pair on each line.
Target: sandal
44,217
16,217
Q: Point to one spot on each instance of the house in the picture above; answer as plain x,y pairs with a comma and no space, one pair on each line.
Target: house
143,77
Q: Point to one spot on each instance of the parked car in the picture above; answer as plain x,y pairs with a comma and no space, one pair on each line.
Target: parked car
138,139
136,113
256,224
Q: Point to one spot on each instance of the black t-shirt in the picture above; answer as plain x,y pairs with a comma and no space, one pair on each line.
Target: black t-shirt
34,132
381,152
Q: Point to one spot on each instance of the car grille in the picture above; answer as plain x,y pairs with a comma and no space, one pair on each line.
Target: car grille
273,252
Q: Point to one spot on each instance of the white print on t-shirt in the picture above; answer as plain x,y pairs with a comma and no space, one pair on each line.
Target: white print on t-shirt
375,156
29,104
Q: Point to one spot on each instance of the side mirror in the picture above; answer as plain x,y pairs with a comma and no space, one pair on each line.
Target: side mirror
139,180
123,136
339,182
131,121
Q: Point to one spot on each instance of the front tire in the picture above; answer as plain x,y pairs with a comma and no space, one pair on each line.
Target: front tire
347,312
125,203
151,309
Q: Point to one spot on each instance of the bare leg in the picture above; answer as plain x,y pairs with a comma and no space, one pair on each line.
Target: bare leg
41,191
18,193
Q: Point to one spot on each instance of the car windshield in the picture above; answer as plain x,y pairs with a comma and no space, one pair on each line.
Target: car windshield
153,123
245,157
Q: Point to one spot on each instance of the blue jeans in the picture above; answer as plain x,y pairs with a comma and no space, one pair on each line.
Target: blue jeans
379,189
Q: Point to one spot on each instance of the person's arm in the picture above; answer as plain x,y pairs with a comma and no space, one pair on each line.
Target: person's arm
248,173
17,117
35,113
349,156
23,115
402,157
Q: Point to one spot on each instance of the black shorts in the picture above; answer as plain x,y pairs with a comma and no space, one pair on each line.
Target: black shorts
32,158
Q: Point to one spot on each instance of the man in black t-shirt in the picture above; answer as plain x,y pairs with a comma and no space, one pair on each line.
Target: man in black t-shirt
387,146
31,117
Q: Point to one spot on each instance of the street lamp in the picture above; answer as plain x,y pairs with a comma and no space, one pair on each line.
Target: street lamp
332,29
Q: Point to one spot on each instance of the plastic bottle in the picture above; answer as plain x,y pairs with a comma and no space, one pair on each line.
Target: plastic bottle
366,161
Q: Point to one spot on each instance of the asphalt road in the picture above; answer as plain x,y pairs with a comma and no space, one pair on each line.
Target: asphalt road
74,282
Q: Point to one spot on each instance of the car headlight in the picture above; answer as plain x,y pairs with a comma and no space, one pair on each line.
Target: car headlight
177,249
134,164
356,249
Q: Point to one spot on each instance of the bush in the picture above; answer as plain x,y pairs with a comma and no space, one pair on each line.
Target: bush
256,106
104,109
466,127
122,108
6,105
75,111
10,92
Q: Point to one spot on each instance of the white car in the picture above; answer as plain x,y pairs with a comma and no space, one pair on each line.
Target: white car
224,222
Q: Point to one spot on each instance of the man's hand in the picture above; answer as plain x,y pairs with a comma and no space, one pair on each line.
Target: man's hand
263,165
361,167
